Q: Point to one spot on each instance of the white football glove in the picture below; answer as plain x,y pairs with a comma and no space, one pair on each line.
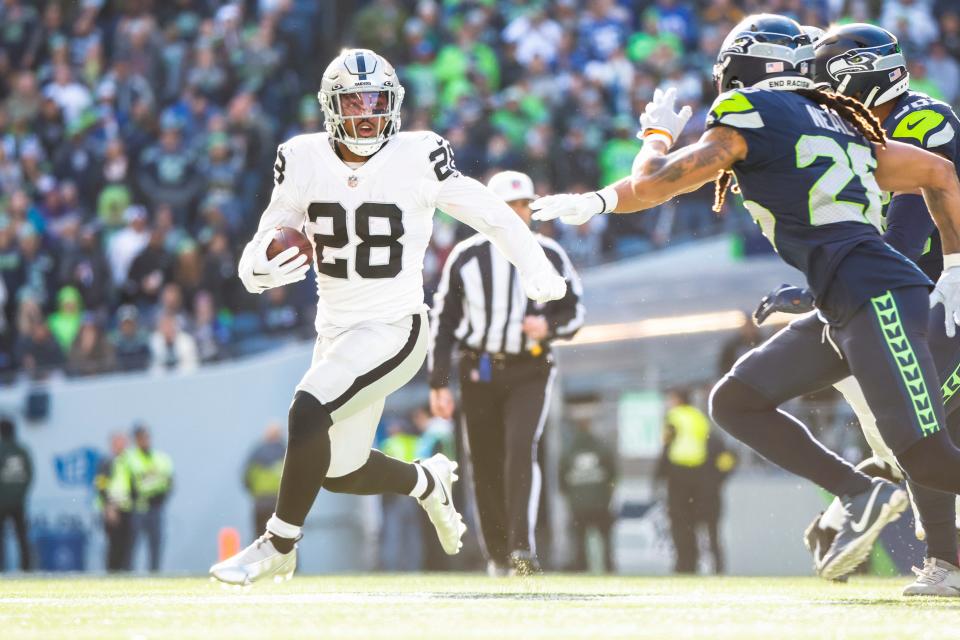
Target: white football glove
545,286
266,274
947,293
571,208
659,120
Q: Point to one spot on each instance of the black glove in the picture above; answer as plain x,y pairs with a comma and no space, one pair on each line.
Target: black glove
786,299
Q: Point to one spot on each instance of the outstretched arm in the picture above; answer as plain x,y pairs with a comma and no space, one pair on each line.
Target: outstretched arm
474,204
659,176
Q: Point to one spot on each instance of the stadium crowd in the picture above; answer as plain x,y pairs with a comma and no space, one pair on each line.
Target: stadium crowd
137,138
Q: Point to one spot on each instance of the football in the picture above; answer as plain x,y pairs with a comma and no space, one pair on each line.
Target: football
287,237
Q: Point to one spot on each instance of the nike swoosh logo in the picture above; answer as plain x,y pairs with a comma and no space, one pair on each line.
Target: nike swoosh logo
910,126
446,499
859,526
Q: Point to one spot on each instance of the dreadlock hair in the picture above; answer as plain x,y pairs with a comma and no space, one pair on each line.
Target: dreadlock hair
850,109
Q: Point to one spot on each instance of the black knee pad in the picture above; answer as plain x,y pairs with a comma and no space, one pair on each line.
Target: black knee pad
307,418
730,398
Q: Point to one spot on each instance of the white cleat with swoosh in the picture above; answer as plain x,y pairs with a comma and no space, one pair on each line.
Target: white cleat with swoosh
867,514
439,504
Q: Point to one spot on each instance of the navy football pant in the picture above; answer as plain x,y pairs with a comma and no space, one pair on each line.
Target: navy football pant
884,345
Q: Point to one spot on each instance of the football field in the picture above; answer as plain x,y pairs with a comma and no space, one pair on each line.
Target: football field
470,606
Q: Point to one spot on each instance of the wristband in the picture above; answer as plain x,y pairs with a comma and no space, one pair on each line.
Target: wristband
609,198
658,134
951,260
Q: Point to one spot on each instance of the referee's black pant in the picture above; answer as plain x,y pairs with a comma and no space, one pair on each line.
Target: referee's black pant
504,408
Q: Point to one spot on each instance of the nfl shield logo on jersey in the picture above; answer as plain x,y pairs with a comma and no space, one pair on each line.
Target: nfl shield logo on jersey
352,181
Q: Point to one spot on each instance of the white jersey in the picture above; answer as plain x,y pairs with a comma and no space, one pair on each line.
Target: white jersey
370,226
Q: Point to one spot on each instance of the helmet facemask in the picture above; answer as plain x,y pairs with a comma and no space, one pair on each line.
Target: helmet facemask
360,88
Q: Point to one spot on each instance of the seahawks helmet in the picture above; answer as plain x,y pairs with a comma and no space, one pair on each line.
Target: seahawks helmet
766,51
862,61
360,85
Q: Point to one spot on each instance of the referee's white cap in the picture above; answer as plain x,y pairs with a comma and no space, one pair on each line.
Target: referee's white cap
512,185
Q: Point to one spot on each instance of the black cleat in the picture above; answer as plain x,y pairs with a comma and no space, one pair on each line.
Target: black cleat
867,514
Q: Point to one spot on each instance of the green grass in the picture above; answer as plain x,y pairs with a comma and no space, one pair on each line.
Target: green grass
456,607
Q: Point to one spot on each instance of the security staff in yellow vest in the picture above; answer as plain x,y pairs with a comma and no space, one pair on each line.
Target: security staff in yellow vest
151,474
261,475
115,502
693,465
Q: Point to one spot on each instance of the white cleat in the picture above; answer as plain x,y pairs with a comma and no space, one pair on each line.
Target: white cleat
439,504
258,561
937,578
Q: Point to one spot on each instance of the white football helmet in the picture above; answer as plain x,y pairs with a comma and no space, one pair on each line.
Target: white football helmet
360,84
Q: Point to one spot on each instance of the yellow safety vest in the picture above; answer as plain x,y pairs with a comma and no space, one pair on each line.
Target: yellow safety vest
689,445
151,474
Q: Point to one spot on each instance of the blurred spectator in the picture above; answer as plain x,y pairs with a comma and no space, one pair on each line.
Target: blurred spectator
92,353
151,481
131,346
401,535
693,474
261,474
115,502
85,268
65,321
435,434
171,348
126,244
16,475
38,352
211,335
150,270
588,477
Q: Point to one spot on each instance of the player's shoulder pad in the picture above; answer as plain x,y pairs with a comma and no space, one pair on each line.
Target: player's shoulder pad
435,151
295,147
738,108
924,122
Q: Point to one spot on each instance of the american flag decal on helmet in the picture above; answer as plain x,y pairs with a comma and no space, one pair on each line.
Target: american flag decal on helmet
774,67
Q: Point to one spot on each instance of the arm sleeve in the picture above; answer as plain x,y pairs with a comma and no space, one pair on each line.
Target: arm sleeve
286,208
564,316
445,317
909,225
473,204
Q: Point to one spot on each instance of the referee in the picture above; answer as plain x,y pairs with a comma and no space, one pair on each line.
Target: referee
506,371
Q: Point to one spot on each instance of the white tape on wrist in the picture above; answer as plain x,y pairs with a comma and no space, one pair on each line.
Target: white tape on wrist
609,198
951,260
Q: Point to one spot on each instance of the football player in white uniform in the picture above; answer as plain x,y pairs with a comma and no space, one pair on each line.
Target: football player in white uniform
365,194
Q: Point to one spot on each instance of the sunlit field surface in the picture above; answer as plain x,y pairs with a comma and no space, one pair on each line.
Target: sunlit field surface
471,606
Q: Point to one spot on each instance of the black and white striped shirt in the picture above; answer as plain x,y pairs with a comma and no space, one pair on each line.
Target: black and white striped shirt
480,304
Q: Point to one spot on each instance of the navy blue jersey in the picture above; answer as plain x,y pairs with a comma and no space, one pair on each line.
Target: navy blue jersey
920,120
808,180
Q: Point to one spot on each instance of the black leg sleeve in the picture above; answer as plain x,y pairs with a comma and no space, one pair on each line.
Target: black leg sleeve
307,459
380,474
